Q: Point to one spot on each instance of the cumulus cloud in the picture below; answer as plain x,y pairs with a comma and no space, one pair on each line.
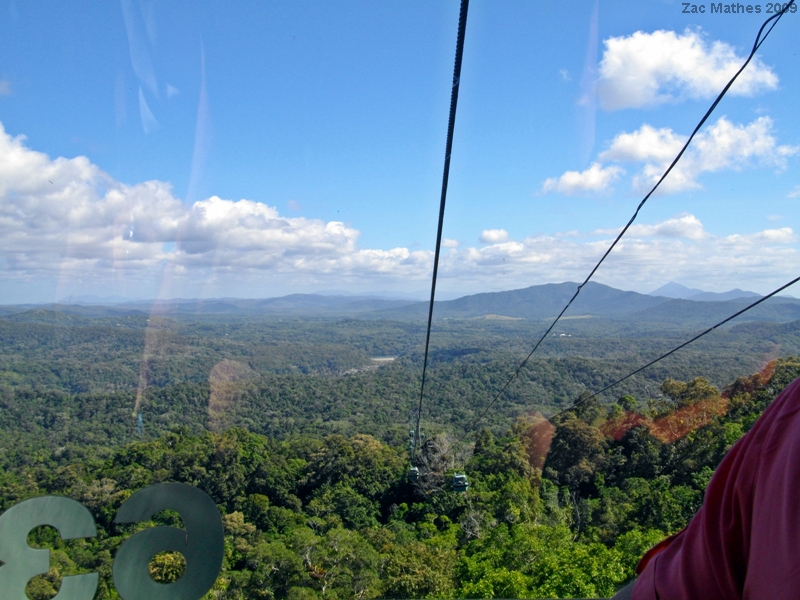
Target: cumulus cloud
65,219
493,236
252,234
677,248
594,179
724,145
648,69
685,226
68,211
645,145
448,243
784,235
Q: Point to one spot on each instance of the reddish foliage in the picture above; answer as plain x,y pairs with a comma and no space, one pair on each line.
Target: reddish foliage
673,426
748,385
539,437
686,419
616,428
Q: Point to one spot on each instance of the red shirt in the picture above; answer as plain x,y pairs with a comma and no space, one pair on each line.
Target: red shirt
744,542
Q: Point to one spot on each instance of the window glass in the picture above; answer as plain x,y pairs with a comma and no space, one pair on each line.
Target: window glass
217,232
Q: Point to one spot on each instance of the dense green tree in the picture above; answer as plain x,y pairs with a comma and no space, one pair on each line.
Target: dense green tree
319,508
685,394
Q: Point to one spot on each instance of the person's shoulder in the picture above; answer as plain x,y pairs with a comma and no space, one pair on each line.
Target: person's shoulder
782,416
625,593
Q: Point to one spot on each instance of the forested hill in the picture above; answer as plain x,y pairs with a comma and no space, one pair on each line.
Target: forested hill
291,305
544,302
540,302
536,302
78,375
298,429
552,511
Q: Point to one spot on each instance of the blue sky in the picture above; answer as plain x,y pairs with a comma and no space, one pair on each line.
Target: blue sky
256,149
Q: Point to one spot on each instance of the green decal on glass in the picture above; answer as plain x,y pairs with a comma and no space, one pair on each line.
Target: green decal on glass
201,543
22,563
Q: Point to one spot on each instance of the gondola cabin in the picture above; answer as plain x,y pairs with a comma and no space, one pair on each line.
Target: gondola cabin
413,474
460,483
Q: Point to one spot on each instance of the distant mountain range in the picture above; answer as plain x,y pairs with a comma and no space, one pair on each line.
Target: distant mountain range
537,302
291,305
678,291
596,300
94,300
542,302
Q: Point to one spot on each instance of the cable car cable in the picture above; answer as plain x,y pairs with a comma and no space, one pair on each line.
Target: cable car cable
675,349
462,25
756,45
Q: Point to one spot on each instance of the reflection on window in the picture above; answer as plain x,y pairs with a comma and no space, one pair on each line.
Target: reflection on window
217,232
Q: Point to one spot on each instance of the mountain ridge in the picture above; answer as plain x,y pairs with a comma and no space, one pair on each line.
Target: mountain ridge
534,303
681,292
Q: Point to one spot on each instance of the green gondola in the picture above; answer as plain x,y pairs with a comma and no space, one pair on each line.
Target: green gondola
460,483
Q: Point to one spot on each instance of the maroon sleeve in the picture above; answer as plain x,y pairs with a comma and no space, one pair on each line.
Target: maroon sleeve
749,497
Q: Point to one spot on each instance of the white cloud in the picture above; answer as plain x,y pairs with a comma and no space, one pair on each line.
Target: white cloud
66,220
685,226
724,145
594,179
678,248
251,234
5,87
784,235
448,243
493,236
54,212
645,145
647,69
795,193
69,210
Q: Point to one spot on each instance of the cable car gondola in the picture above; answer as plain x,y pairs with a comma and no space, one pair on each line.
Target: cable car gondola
460,483
413,474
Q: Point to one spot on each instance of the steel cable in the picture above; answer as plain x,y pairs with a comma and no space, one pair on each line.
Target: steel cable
756,45
462,26
675,349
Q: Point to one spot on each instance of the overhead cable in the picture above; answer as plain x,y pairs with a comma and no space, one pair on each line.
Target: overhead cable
462,26
675,349
756,45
